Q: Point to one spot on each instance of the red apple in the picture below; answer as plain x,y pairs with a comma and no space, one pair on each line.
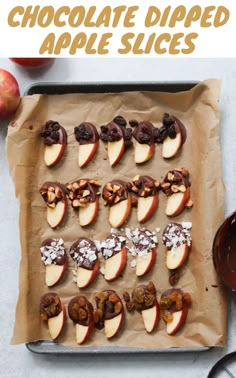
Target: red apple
176,203
9,94
115,265
145,262
33,62
86,276
151,317
146,207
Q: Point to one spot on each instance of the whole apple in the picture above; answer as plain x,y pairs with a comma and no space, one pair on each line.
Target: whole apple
32,62
9,94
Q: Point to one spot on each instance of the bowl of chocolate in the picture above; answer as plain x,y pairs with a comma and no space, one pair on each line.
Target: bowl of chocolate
224,251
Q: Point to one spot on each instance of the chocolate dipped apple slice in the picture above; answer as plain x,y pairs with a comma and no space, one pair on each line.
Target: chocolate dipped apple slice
113,249
174,308
144,300
84,195
177,239
55,140
87,136
85,255
117,197
54,257
144,145
117,137
144,249
80,311
53,311
109,312
172,135
146,189
176,186
54,194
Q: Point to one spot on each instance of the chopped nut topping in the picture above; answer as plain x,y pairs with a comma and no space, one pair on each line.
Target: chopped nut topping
52,193
114,192
176,181
82,192
144,186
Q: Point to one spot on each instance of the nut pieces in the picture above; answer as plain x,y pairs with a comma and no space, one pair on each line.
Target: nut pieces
82,192
114,192
175,181
52,193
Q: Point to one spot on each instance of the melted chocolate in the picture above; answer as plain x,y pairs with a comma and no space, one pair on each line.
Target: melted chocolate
60,253
145,181
86,133
53,133
81,254
112,245
80,311
50,305
143,133
172,307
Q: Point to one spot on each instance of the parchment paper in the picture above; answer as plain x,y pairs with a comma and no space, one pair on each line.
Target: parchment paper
198,110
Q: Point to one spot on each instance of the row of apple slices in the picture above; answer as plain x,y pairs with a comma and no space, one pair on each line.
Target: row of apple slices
109,312
172,134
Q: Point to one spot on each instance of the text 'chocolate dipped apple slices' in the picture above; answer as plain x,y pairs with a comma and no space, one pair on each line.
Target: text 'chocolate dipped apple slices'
176,186
144,299
144,144
118,137
117,197
80,311
144,249
54,194
85,255
87,136
174,308
109,312
146,189
55,140
53,311
113,249
54,257
84,195
172,134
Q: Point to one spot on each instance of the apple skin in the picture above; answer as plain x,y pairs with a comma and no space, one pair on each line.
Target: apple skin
145,263
33,62
115,265
176,203
151,317
176,258
115,151
54,273
86,276
179,318
119,212
113,325
56,323
56,215
86,153
146,207
9,94
83,332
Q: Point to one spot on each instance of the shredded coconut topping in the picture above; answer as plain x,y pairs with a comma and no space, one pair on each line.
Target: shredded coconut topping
143,240
84,253
52,251
175,235
112,245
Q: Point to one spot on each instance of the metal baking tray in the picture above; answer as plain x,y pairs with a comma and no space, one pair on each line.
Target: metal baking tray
48,347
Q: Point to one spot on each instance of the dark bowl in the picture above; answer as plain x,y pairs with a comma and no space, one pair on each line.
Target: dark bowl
224,251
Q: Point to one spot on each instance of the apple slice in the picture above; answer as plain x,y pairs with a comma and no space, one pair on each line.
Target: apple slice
144,145
86,276
53,311
88,213
143,152
87,136
171,146
54,194
80,311
146,207
55,140
119,212
175,257
112,326
145,262
54,273
179,318
115,254
84,253
115,151
176,203
151,317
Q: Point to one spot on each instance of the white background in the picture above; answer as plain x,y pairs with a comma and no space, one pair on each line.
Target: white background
16,361
26,42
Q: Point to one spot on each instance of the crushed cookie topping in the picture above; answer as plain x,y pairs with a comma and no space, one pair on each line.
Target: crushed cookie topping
112,245
53,251
176,234
84,253
143,240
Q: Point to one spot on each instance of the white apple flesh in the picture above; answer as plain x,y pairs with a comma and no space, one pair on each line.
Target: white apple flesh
146,207
55,215
176,203
56,323
88,213
171,146
179,318
54,273
86,276
83,332
119,212
151,317
53,153
115,150
143,152
115,264
175,257
144,263
112,325
86,153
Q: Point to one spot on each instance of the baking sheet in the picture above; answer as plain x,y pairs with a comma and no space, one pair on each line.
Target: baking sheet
182,109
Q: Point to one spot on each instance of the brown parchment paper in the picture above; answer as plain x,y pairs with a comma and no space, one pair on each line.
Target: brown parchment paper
198,110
